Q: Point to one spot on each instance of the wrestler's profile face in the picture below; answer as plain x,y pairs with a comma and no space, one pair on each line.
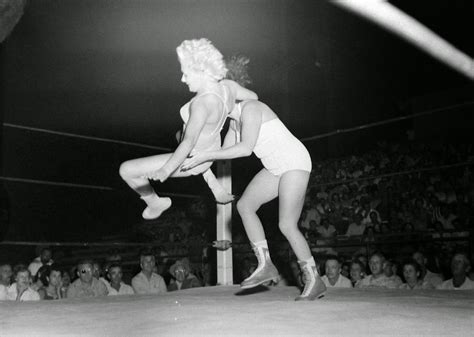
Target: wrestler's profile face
192,78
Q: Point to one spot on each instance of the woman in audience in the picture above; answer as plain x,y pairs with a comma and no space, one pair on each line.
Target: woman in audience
51,279
21,290
357,271
412,273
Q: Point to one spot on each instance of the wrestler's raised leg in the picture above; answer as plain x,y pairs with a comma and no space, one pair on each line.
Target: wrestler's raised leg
133,172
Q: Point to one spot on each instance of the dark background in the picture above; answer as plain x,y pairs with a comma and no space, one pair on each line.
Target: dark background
109,69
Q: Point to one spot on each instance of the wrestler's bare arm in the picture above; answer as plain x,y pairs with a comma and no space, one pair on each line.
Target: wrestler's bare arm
197,119
251,123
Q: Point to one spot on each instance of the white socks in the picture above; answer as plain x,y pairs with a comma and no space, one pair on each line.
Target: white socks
156,206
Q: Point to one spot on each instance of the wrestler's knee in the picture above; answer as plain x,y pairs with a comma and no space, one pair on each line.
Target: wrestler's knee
287,229
126,169
245,206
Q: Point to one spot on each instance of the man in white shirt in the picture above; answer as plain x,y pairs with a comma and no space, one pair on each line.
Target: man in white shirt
333,277
146,281
356,228
377,278
460,267
326,230
116,286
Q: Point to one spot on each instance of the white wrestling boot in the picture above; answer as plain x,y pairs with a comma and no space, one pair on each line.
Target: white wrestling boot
156,206
314,287
265,272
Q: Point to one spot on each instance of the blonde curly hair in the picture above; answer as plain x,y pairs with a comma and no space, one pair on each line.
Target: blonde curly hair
201,55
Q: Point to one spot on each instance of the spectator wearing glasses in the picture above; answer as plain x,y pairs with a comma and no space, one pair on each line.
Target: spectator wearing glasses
183,279
86,285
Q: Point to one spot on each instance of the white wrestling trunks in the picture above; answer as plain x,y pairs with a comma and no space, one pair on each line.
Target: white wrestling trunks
279,150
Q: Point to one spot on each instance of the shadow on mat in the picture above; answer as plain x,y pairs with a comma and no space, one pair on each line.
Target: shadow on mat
255,290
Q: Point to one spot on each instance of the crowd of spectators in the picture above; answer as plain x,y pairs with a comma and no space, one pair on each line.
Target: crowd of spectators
404,192
369,197
395,188
45,280
87,279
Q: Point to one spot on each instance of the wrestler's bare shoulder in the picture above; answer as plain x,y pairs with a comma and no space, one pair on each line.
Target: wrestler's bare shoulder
253,106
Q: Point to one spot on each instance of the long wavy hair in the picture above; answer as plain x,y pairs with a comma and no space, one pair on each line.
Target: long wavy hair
237,66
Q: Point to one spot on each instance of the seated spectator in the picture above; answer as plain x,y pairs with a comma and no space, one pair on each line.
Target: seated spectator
357,272
390,269
44,258
356,228
363,259
326,230
51,281
183,279
373,220
65,283
116,286
377,278
20,290
311,214
6,274
412,275
425,275
460,267
346,269
333,277
86,285
97,273
147,281
366,211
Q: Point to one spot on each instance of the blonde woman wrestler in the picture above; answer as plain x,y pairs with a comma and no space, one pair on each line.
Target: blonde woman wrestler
203,71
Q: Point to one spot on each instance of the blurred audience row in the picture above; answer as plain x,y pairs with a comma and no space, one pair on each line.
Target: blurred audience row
44,280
